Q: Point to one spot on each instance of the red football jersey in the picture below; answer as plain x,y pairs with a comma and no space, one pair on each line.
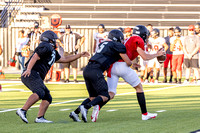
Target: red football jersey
131,45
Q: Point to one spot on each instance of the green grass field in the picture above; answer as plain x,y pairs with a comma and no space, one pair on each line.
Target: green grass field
178,106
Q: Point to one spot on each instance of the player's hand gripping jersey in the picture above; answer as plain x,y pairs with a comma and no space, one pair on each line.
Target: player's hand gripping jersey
48,55
108,53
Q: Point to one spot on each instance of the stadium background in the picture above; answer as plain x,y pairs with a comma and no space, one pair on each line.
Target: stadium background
85,15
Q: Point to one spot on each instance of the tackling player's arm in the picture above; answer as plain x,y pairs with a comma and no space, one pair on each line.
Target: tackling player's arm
31,64
126,59
146,56
70,58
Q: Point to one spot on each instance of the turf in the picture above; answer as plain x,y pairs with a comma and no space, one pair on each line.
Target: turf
180,105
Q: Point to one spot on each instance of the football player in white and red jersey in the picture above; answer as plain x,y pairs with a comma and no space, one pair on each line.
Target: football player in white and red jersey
156,43
134,46
177,57
100,36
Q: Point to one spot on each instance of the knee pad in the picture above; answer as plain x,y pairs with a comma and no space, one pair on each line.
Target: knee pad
47,97
40,93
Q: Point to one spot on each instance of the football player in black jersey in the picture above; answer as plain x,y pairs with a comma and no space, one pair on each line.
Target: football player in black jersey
35,71
108,52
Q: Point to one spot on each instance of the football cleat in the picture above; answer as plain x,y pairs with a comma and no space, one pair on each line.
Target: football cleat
95,113
42,120
84,113
146,81
74,116
22,115
149,116
151,80
186,82
156,81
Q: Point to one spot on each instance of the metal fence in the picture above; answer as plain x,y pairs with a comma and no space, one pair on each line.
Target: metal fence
9,36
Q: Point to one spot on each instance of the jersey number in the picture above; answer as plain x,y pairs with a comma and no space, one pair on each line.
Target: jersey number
53,55
100,48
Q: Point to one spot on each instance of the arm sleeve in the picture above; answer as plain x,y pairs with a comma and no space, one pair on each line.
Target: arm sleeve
57,56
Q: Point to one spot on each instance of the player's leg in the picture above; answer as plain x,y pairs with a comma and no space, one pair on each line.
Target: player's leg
35,84
174,67
157,65
67,73
195,66
171,74
132,78
187,63
166,62
179,67
75,71
46,101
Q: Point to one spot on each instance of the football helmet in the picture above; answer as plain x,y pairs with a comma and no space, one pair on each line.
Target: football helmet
155,33
50,37
141,31
116,36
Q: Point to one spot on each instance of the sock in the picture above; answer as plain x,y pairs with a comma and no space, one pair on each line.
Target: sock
151,77
41,117
77,111
142,77
157,75
175,79
179,80
148,74
142,102
94,102
23,110
187,80
171,76
102,104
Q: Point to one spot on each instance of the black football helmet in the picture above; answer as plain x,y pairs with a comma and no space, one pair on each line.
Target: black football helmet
155,32
50,37
116,36
141,31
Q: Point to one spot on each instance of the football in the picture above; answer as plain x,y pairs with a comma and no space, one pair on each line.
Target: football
161,58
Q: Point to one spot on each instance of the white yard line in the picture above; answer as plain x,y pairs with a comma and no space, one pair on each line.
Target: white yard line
83,99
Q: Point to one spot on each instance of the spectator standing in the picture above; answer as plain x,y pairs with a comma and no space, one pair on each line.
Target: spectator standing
21,42
71,46
34,37
191,48
177,56
100,36
169,56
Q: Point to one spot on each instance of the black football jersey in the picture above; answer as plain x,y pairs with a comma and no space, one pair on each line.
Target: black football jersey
48,55
108,53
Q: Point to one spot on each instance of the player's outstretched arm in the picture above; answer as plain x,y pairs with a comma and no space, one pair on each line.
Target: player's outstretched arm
72,57
126,59
30,65
146,56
